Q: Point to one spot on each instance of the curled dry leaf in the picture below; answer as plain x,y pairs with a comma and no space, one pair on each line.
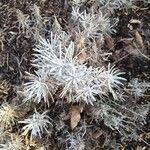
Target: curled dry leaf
75,115
109,42
139,39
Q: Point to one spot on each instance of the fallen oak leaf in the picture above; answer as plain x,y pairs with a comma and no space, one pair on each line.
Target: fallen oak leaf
75,116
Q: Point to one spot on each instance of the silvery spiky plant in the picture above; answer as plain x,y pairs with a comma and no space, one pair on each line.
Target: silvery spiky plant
8,115
97,82
14,143
23,21
52,56
147,1
113,79
73,79
36,124
87,23
115,4
138,88
37,15
3,135
100,82
114,122
75,142
78,2
37,88
57,63
100,112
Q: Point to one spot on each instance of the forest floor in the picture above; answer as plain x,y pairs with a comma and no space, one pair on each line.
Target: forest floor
129,48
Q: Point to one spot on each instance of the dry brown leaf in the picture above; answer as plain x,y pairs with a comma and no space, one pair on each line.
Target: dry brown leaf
97,134
109,42
75,115
139,39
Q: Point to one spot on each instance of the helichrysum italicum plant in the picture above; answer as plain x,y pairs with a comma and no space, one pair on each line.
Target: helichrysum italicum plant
51,55
54,60
138,89
114,122
8,115
37,15
87,24
78,2
100,82
75,142
14,143
36,124
73,79
39,87
3,135
100,112
4,89
115,4
147,1
113,79
23,21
